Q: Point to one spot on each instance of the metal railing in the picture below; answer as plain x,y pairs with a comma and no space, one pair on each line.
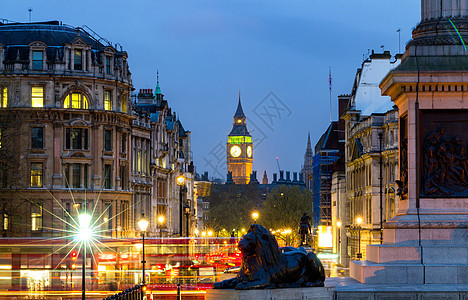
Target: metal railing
137,292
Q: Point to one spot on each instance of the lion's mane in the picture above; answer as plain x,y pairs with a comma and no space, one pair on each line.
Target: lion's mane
267,259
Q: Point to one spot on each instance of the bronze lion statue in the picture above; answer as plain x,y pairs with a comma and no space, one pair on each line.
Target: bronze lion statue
265,265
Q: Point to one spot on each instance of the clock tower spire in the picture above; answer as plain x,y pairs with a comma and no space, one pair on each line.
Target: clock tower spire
239,148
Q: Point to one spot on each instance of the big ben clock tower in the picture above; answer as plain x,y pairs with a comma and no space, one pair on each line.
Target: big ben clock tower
239,148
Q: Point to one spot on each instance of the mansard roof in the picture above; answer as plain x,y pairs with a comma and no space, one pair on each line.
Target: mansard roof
52,33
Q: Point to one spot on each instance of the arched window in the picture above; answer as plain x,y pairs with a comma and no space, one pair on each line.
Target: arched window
76,100
123,104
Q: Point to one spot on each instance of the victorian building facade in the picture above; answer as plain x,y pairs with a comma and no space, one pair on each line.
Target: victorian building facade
72,140
169,157
66,129
371,160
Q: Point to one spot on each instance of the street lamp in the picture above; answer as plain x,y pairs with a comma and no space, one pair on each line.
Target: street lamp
255,216
187,216
338,225
359,221
84,235
143,224
182,190
161,222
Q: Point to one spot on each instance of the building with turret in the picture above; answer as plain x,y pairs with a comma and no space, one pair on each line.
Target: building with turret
239,149
306,169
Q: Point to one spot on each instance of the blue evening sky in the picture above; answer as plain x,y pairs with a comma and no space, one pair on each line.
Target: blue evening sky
277,53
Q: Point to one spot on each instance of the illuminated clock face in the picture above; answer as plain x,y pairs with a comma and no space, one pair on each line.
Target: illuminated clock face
236,151
249,151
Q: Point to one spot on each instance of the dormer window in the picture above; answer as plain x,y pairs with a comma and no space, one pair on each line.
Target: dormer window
108,65
78,59
37,60
76,100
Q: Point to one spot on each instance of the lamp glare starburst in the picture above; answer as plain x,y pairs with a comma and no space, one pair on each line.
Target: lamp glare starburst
84,232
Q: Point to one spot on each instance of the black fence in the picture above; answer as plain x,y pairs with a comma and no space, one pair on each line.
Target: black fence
137,292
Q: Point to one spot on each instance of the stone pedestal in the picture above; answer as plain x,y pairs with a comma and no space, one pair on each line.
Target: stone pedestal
427,242
315,293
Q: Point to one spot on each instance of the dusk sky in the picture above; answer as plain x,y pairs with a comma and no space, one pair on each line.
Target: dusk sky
208,50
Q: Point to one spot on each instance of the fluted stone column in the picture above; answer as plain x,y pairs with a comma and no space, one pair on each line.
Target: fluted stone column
436,9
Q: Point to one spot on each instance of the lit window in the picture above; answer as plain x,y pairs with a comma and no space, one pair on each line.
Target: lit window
107,100
37,96
36,217
78,60
76,100
37,141
108,66
5,222
4,96
36,175
108,140
139,161
37,60
123,104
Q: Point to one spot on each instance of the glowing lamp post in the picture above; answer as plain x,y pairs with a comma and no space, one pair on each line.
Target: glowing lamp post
338,225
187,218
83,236
255,216
182,190
143,224
161,220
359,221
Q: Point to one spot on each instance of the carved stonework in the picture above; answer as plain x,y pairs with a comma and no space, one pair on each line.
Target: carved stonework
444,154
402,183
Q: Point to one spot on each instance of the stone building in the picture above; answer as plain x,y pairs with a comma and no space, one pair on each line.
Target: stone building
371,158
65,130
72,140
169,156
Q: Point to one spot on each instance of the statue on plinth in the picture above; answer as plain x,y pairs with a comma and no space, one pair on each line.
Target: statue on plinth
265,265
304,228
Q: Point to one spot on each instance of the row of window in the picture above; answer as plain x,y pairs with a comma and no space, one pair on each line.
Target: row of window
76,56
76,175
73,100
76,139
36,219
37,216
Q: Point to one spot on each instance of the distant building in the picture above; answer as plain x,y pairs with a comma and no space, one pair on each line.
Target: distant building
265,178
201,195
328,150
299,181
239,149
307,166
